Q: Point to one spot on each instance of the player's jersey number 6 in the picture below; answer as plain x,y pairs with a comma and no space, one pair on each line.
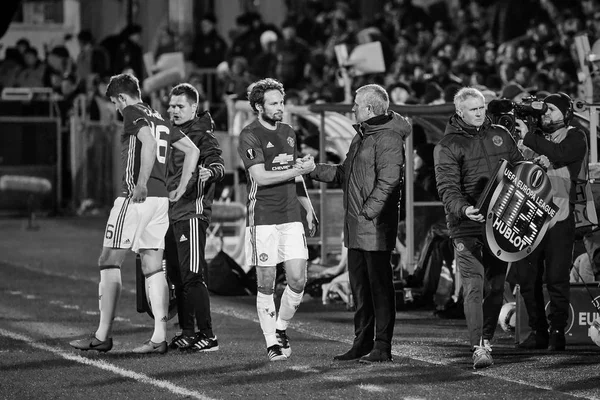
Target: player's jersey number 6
160,132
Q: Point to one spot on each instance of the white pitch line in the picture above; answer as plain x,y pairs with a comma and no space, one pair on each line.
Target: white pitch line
142,378
308,329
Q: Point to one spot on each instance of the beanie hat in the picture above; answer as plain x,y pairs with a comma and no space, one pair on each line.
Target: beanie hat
511,91
560,101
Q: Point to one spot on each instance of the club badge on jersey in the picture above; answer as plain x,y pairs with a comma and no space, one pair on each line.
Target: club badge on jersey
518,209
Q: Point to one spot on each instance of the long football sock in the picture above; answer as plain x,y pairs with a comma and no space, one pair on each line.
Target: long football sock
265,305
290,301
158,293
109,291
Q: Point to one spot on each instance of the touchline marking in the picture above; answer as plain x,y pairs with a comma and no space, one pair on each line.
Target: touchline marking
309,329
303,327
106,366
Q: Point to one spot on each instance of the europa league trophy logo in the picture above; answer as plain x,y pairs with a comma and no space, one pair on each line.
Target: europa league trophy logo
518,208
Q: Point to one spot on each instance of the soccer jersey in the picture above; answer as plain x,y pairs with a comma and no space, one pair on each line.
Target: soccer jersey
134,118
276,149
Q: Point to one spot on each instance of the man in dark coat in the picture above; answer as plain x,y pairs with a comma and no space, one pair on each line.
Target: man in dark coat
371,176
465,159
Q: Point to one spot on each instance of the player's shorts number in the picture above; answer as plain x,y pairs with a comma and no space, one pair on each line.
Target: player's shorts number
110,231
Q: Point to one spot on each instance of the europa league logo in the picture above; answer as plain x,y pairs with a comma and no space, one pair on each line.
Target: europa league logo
520,210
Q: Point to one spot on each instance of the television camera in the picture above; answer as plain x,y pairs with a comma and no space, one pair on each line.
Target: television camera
505,112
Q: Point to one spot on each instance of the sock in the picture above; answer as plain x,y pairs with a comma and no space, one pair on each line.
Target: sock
290,301
109,291
158,293
265,305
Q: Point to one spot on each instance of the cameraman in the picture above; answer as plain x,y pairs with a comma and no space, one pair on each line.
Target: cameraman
562,150
465,159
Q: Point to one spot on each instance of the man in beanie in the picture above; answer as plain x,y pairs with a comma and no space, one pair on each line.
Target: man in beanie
563,150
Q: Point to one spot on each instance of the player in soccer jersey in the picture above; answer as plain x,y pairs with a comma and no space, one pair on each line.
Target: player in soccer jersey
274,232
139,219
190,217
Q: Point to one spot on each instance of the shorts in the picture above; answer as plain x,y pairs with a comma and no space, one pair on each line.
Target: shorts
269,245
137,226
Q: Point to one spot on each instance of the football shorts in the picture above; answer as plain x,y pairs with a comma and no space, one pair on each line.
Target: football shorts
269,245
137,226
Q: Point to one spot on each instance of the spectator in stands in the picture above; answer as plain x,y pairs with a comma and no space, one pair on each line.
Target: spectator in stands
400,93
166,42
32,74
100,107
245,43
59,64
441,72
266,62
129,55
22,46
10,68
311,24
514,92
465,159
92,61
371,180
292,57
209,47
238,78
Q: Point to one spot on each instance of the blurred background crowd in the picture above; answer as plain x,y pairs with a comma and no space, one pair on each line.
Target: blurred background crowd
495,45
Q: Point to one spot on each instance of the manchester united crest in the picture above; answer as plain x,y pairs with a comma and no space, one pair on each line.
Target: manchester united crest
518,208
290,141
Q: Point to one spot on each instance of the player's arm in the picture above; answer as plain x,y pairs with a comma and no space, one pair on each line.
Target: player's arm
262,177
304,201
189,165
148,156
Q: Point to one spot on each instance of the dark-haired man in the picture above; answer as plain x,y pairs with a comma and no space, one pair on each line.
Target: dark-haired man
139,218
563,149
190,217
274,232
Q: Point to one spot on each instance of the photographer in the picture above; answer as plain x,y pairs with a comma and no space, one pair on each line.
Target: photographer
465,159
562,150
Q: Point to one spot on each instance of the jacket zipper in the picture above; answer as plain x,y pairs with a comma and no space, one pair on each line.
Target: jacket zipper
487,157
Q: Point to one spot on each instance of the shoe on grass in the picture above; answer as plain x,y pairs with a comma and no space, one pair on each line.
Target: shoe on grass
284,342
151,347
275,354
92,343
482,356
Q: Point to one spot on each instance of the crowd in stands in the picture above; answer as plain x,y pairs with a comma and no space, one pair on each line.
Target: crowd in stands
428,52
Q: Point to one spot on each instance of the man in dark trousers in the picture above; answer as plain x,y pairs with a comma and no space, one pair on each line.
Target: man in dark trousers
465,159
563,150
189,220
371,177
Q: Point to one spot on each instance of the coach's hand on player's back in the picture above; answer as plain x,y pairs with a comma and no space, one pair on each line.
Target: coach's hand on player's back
140,192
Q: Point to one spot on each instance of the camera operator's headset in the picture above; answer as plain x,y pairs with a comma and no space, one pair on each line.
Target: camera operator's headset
569,114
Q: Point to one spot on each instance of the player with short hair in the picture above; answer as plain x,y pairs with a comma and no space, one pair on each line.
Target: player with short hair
139,220
190,218
274,232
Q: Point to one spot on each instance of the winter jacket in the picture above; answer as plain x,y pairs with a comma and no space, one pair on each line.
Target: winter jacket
197,200
465,159
566,150
371,178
